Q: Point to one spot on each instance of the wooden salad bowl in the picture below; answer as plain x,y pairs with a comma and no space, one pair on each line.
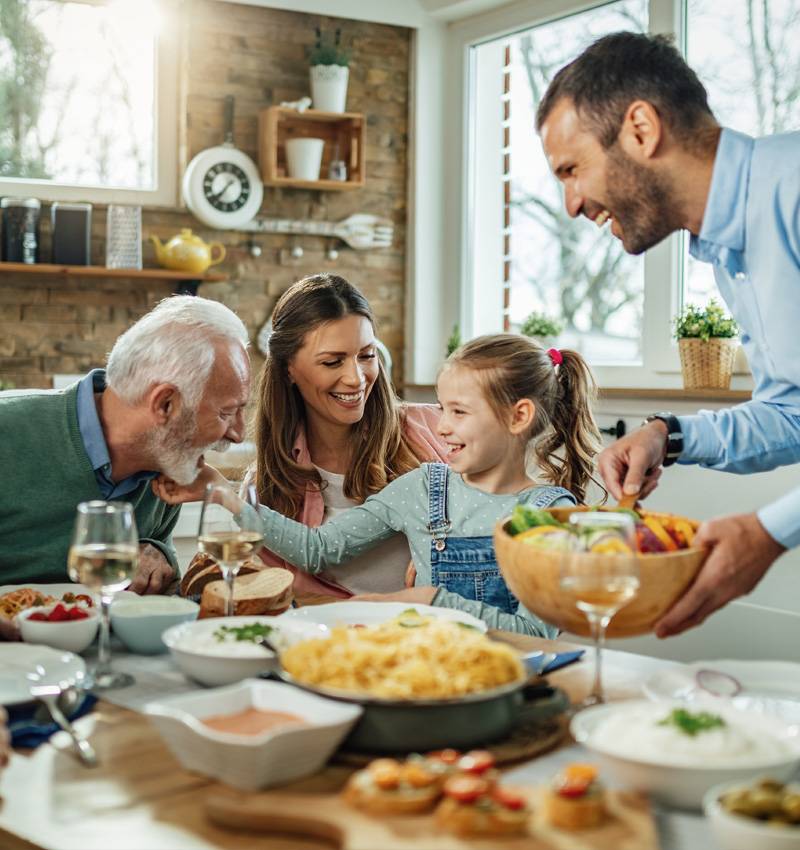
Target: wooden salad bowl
533,576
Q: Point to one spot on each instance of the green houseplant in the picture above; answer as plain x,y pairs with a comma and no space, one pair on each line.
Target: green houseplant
454,340
542,327
707,343
329,72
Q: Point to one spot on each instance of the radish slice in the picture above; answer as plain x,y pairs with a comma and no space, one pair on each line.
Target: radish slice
718,684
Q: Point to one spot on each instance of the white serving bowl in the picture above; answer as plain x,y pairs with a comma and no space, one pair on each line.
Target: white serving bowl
139,623
258,761
683,785
72,635
200,658
737,832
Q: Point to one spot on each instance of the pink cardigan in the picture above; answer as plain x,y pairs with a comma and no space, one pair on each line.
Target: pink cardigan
419,425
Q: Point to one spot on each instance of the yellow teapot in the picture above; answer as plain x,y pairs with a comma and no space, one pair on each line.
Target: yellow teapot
188,253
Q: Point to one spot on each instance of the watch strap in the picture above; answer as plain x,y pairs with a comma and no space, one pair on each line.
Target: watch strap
674,436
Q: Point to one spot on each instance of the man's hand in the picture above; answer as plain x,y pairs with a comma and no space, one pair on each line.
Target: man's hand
155,573
421,595
741,552
633,463
8,631
5,739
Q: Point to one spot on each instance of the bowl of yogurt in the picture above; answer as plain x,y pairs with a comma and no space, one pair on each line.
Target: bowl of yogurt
677,751
222,650
139,622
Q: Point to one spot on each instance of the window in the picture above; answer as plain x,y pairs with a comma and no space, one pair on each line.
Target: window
82,87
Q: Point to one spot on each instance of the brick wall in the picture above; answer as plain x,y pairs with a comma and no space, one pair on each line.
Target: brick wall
258,55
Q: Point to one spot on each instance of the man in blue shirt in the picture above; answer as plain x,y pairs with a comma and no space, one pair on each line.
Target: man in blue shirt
627,129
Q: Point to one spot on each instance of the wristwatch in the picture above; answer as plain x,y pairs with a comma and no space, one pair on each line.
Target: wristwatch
674,436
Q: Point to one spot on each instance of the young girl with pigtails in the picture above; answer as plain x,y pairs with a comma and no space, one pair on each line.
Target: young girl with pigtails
505,402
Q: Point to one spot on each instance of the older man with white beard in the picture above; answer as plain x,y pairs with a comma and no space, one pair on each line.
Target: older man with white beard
176,384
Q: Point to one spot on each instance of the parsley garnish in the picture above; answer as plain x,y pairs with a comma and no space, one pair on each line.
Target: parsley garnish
252,632
692,724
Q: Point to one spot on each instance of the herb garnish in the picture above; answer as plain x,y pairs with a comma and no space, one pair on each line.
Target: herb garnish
252,632
692,724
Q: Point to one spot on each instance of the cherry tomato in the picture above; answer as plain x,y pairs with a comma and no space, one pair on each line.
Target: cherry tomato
447,756
477,762
465,789
509,799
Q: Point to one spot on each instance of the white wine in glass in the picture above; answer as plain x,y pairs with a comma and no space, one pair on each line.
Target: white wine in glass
103,556
230,531
600,572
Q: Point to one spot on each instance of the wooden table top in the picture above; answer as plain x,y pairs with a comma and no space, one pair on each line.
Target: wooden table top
140,797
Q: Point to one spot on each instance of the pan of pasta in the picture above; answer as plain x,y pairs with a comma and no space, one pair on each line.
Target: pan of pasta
424,683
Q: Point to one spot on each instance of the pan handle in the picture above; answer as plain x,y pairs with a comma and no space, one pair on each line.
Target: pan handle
228,119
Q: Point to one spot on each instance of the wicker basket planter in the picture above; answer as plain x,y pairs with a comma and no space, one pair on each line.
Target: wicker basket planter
707,364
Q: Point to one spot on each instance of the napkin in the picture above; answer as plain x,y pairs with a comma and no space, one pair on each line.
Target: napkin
562,659
26,732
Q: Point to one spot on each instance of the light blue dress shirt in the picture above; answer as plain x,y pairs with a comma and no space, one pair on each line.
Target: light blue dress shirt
751,235
94,440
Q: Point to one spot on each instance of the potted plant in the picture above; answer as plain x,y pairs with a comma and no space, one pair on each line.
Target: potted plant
454,340
329,72
542,327
707,342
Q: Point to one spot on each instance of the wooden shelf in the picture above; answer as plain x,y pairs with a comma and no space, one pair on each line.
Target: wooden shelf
102,271
342,131
675,395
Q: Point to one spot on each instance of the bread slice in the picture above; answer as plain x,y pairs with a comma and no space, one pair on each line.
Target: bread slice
204,569
265,591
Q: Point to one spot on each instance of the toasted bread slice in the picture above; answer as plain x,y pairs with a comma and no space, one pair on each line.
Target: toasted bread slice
264,591
368,797
204,569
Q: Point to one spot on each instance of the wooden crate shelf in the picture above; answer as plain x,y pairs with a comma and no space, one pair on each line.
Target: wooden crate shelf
345,131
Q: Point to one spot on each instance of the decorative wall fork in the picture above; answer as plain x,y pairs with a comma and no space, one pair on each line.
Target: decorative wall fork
360,231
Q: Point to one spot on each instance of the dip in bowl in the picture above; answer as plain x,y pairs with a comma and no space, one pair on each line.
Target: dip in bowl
676,752
140,622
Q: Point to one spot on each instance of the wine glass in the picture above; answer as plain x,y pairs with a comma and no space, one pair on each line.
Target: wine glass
600,572
103,556
231,530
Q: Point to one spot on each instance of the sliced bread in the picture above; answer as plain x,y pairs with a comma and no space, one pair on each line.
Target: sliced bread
204,569
267,591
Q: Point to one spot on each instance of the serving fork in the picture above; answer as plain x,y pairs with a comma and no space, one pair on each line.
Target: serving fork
49,695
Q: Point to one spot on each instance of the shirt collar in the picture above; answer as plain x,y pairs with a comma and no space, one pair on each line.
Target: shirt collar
94,440
726,208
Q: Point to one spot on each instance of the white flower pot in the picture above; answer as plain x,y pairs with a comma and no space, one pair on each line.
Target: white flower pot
304,158
329,87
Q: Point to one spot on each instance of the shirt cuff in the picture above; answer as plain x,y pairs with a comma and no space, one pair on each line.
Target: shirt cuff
781,519
700,442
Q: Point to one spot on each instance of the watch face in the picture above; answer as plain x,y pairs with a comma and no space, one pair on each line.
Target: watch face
226,187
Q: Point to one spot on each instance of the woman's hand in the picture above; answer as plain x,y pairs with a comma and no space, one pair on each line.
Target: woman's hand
420,595
176,494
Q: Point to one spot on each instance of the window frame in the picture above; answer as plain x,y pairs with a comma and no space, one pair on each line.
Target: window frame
166,149
663,264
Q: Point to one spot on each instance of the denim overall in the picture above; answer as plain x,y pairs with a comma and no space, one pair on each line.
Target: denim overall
467,565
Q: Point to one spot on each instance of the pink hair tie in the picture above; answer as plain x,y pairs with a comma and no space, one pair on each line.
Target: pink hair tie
556,356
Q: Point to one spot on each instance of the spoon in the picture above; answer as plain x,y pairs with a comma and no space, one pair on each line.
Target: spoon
51,696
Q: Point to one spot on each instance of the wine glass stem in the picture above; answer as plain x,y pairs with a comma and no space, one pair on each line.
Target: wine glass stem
104,644
230,575
598,624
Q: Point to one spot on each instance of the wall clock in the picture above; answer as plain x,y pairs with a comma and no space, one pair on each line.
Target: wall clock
221,185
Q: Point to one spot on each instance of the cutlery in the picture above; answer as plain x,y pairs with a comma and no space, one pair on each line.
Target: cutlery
360,231
51,695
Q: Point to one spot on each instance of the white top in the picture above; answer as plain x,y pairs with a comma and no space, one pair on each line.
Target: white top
382,569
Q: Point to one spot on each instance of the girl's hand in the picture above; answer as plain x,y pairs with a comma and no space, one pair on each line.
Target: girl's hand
176,494
420,595
411,574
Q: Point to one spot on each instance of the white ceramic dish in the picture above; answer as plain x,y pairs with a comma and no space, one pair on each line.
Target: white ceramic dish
23,665
202,658
771,687
58,590
368,613
251,762
736,832
69,635
682,784
140,622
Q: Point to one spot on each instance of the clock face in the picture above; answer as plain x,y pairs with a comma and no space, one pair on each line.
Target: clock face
226,187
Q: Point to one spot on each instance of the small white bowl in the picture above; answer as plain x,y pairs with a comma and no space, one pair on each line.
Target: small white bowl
683,785
139,623
72,635
251,762
737,832
201,658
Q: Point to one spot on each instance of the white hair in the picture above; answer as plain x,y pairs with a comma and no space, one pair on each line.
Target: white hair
174,343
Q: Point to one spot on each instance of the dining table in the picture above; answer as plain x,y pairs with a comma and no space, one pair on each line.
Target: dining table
140,797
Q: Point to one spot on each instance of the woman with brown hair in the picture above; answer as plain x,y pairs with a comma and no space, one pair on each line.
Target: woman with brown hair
329,429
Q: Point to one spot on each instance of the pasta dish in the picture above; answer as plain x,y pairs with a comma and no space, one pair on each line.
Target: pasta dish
410,657
20,600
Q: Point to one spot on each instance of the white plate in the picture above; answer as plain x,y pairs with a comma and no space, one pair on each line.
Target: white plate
23,665
58,590
369,613
769,687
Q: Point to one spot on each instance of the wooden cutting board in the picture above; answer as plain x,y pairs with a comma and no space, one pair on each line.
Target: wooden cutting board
313,808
